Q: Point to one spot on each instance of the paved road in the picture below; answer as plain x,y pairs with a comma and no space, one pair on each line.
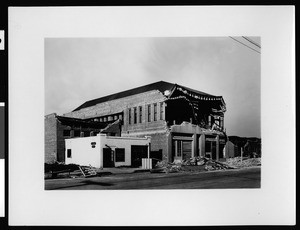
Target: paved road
241,178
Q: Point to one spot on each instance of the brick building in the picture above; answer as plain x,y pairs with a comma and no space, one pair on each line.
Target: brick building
182,122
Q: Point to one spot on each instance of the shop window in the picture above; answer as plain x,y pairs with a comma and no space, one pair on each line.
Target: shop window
67,133
155,112
179,148
120,154
69,153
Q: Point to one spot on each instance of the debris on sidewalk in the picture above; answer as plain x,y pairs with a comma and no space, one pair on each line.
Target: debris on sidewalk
88,171
245,162
192,164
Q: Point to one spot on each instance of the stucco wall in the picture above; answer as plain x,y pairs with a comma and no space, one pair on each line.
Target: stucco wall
84,154
82,151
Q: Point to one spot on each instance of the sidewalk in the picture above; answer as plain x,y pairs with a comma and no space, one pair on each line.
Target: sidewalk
121,170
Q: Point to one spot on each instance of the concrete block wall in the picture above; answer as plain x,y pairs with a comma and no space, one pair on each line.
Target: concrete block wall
50,138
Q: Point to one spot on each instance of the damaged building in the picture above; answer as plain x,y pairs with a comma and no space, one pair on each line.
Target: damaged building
182,122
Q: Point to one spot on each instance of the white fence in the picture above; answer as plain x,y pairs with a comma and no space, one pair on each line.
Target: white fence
146,163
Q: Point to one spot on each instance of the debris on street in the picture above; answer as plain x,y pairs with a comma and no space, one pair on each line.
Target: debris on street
245,162
88,171
203,164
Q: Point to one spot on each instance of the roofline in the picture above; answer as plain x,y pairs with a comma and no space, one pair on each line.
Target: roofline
173,86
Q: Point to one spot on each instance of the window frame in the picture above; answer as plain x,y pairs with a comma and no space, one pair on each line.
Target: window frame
155,112
129,116
149,112
117,158
69,153
161,112
134,115
140,114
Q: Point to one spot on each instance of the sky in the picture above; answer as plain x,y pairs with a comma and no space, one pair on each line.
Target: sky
82,69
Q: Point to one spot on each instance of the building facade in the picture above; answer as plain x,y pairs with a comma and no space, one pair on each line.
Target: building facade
104,151
181,122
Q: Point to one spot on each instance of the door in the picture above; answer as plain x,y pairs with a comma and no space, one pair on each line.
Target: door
108,158
137,153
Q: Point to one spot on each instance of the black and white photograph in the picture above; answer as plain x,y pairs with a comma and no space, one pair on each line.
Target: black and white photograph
151,116
152,113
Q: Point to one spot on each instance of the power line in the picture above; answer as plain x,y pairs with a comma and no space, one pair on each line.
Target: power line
249,40
244,44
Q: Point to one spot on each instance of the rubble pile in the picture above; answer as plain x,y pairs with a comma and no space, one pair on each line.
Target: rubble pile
239,163
166,167
192,164
215,165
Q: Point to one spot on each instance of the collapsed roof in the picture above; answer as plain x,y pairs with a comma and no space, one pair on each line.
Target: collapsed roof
161,86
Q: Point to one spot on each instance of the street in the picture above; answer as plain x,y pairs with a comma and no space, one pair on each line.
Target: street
237,178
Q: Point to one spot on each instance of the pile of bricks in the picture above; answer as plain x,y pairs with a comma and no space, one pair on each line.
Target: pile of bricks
241,163
166,167
187,165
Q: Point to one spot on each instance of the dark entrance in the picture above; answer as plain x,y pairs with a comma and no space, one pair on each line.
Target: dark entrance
137,153
156,154
186,150
213,150
108,158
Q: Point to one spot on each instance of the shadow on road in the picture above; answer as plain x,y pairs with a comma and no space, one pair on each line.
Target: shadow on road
82,183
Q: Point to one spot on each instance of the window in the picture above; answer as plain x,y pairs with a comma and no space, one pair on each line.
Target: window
116,117
129,116
67,133
120,154
77,133
149,113
105,119
155,112
134,115
140,114
69,153
101,119
161,117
